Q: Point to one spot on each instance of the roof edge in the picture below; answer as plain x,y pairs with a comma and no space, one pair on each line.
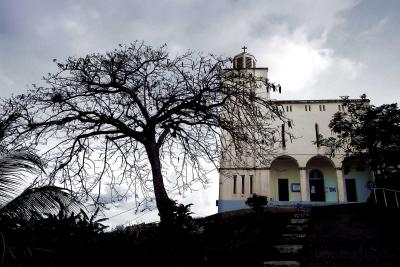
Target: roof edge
319,101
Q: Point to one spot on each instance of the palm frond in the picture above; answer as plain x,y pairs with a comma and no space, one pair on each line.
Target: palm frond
40,201
14,166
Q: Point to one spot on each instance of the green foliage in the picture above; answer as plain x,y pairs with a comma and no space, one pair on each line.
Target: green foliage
47,238
34,220
68,223
179,216
368,133
257,202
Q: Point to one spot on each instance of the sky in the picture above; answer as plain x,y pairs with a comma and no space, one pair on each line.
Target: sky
315,49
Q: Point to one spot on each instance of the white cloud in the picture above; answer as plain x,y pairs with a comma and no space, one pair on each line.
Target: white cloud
294,61
298,62
374,30
351,69
5,81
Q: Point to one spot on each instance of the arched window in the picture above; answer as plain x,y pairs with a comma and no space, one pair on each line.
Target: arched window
316,174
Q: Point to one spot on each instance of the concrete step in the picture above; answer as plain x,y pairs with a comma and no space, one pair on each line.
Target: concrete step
294,236
301,215
296,228
289,249
290,241
299,220
281,264
304,209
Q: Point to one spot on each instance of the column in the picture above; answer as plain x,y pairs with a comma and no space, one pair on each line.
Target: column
266,185
340,185
305,193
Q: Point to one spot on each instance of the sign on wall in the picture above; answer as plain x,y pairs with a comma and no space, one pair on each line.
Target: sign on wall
295,187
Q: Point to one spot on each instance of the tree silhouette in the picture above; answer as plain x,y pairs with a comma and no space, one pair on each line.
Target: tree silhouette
19,197
107,117
368,133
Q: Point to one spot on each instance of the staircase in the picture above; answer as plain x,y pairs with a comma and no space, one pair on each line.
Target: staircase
291,241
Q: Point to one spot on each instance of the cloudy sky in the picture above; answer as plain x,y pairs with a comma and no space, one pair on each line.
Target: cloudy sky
314,49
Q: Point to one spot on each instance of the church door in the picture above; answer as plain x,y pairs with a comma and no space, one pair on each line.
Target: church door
351,190
317,187
283,187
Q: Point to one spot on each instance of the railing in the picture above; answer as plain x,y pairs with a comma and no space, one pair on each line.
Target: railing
387,195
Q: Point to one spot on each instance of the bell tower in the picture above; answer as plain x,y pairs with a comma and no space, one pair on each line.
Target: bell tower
246,63
244,60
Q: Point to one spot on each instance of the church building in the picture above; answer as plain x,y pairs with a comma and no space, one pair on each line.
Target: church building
301,171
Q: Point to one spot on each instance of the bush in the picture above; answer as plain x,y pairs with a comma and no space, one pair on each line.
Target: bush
257,202
46,239
179,217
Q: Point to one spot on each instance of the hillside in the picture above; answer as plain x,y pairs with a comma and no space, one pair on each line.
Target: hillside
341,235
353,235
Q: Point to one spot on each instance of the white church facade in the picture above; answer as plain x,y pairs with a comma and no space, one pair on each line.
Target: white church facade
301,171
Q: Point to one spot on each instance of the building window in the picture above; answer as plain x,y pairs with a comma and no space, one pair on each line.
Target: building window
283,136
308,107
323,107
316,174
340,107
234,184
251,184
317,134
242,184
288,108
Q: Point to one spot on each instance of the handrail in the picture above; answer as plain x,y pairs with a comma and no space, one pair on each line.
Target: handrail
384,195
387,189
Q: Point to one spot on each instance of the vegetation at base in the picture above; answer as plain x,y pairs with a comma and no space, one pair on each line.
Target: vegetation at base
257,202
49,239
75,241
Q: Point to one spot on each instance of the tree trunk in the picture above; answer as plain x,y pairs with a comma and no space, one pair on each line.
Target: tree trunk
162,200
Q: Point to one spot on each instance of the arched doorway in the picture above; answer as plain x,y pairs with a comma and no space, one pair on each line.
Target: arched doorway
285,179
317,185
321,174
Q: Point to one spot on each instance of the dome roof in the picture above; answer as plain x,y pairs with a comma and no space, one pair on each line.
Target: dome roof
244,60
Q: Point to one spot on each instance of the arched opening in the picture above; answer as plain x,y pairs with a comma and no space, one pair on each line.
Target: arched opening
356,175
285,179
322,179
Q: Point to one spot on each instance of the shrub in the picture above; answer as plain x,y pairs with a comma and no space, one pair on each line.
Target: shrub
179,217
257,202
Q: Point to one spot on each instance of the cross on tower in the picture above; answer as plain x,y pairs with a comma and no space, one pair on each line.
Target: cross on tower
244,48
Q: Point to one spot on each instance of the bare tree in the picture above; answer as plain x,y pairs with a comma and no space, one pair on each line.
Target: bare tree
106,117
